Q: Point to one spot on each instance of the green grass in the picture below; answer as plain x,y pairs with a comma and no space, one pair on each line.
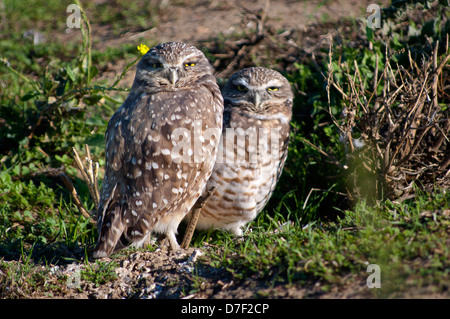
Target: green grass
411,250
99,272
50,101
48,108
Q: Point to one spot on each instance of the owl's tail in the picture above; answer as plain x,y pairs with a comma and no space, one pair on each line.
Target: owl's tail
110,233
110,229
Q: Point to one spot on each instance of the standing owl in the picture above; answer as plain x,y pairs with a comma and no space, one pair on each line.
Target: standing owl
253,149
161,146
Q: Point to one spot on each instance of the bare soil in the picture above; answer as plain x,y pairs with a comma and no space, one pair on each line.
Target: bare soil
308,26
164,274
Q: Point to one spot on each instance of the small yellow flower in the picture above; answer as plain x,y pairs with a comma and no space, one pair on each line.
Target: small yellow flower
143,48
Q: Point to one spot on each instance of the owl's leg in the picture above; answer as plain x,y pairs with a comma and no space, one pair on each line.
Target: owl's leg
168,239
161,240
236,230
172,241
145,240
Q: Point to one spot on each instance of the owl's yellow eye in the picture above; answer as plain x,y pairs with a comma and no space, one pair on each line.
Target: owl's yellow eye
241,88
272,89
188,64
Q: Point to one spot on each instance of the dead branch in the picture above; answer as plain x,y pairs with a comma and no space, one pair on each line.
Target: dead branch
195,213
89,173
405,131
76,198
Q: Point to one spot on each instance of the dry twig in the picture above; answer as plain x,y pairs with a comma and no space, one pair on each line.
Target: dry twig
405,130
76,198
195,213
89,175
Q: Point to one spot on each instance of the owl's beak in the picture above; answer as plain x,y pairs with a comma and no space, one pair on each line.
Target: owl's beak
173,76
257,100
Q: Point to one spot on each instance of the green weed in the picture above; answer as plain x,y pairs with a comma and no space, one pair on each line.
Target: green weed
50,106
99,272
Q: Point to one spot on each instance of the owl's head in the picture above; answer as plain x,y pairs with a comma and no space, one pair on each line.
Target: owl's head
171,65
258,90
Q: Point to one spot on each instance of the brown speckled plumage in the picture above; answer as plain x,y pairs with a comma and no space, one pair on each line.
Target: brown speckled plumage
258,110
151,182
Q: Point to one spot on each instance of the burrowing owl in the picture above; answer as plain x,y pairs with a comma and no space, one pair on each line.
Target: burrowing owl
254,144
160,147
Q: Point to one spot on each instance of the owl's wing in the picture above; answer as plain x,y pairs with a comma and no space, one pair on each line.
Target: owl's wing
285,139
115,148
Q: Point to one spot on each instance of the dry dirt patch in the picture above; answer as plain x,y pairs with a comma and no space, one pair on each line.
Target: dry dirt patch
200,22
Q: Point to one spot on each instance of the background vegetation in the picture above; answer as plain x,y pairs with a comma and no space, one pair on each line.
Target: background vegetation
331,215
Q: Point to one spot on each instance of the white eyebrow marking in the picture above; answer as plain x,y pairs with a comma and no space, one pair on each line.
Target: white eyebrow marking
241,81
178,63
271,83
186,58
274,82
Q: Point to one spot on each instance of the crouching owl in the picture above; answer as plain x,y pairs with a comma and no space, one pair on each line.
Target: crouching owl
254,145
